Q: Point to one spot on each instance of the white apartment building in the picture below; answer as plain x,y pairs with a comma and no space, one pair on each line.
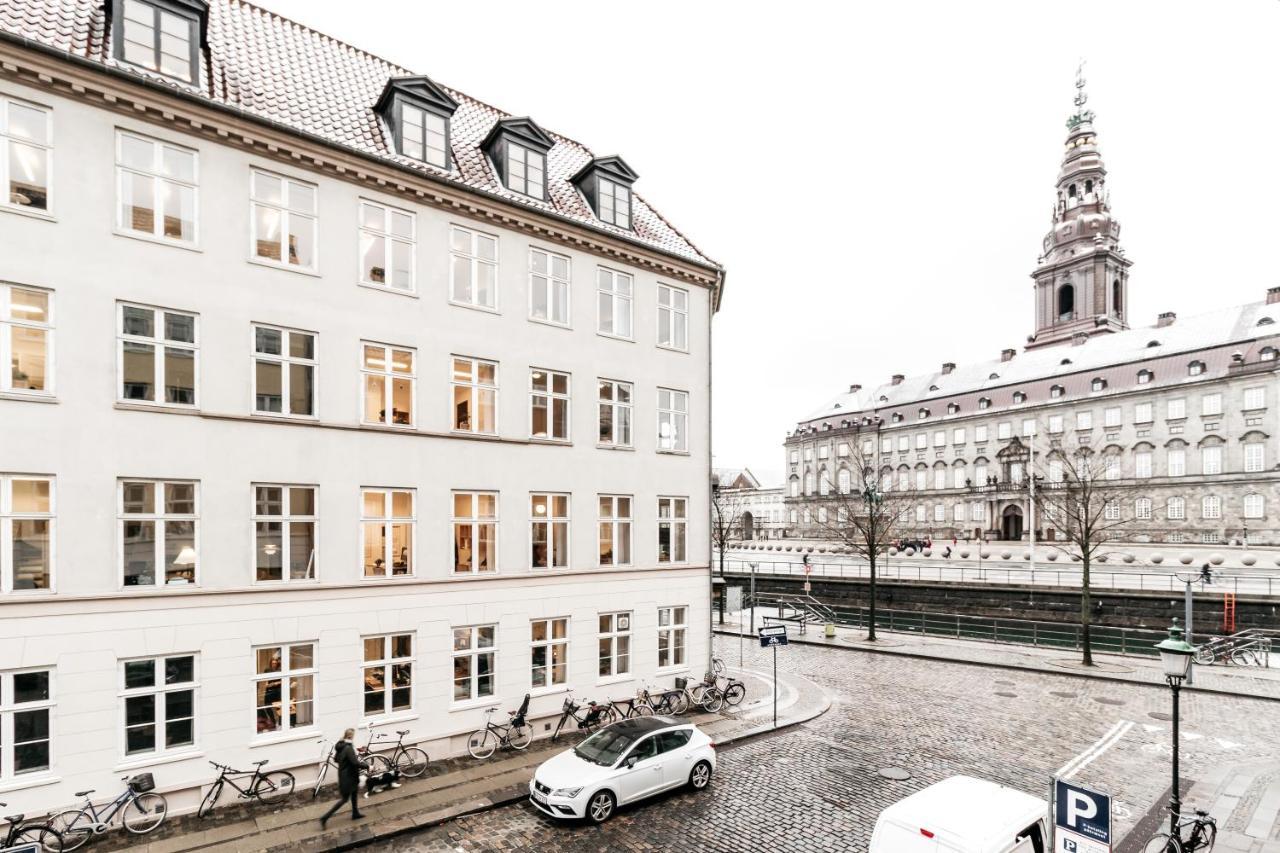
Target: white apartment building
330,396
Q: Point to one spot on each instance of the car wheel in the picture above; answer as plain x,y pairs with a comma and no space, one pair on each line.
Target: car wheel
700,776
600,807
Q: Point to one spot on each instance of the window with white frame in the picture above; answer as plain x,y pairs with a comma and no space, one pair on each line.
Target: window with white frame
1211,404
284,371
424,135
159,352
922,441
1111,511
389,375
549,652
475,651
284,688
922,513
1084,420
1029,428
158,532
980,473
548,531
475,532
548,405
526,170
613,302
1195,368
842,450
673,420
824,452
922,479
824,483
940,438
958,513
152,36
1176,509
843,481
1211,459
26,340
1055,424
673,530
1055,471
388,526
159,704
548,287
615,530
388,239
1254,456
1254,506
1111,466
1142,413
284,220
1111,417
1142,463
886,445
26,151
672,631
673,317
615,412
904,443
27,512
284,525
904,479
614,644
615,202
810,483
475,395
387,674
1098,384
958,476
842,515
939,512
940,478
1176,409
1176,461
1142,509
473,270
1004,430
980,434
957,435
978,511
26,723
1211,507
822,515
157,184
1255,398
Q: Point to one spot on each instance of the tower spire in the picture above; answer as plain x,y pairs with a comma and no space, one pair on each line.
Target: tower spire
1082,97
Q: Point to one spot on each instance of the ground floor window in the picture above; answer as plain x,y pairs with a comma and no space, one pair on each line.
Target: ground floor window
672,629
159,698
550,652
615,644
284,687
388,674
26,736
474,653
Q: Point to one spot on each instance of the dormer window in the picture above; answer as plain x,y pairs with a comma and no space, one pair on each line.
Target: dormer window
606,184
417,112
1144,376
984,403
1019,397
1267,354
423,135
163,36
526,170
518,150
1098,384
897,417
1195,368
1056,391
922,414
953,408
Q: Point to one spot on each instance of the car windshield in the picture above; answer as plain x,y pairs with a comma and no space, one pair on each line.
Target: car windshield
605,746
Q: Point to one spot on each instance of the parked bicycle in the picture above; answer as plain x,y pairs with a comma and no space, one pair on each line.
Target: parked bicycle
702,694
589,716
516,734
667,702
734,691
410,761
625,709
30,833
140,808
327,764
1194,834
266,788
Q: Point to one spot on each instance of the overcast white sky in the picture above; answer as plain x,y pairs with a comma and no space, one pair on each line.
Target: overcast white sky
877,176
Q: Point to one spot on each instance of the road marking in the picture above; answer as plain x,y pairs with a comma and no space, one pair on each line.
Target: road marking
1084,759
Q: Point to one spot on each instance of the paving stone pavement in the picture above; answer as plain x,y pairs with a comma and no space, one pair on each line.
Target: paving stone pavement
816,787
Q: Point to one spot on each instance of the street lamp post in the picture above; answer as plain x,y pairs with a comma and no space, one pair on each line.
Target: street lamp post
1175,657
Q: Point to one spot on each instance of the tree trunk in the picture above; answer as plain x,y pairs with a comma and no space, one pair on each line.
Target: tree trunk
1086,610
871,604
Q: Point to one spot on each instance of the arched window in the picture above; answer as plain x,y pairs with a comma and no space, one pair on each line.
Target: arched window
809,484
842,481
957,476
984,403
1056,391
1088,187
922,479
940,476
1195,368
1071,191
897,417
1019,397
952,408
922,414
1145,376
1267,354
824,483
1117,298
1098,384
795,486
1066,302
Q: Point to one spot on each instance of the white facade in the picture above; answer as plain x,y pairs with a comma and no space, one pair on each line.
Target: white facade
86,440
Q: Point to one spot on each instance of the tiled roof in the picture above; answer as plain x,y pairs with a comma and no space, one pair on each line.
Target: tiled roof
275,69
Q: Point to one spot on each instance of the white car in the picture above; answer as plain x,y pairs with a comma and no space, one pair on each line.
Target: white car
621,764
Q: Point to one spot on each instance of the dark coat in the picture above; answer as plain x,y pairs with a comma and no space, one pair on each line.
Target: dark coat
344,755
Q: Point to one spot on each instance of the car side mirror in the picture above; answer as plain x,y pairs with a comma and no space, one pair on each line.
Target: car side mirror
631,761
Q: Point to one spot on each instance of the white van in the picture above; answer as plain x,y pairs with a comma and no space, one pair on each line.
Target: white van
964,815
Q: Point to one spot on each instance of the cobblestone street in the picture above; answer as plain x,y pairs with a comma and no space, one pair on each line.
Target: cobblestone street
935,719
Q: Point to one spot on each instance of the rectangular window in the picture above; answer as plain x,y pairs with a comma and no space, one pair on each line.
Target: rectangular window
26,732
939,512
1055,471
1029,427
615,203
1004,430
475,396
26,137
1211,507
1211,460
156,39
474,653
939,478
1142,463
940,438
1254,456
615,644
1176,409
978,511
672,630
1255,398
1084,420
957,477
1177,463
389,384
157,186
284,220
158,532
615,412
1211,404
387,244
26,340
824,452
548,405
424,136
615,530
904,443
1111,511
957,435
27,511
1055,424
284,372
284,689
159,699
548,287
1111,417
1111,467
1254,506
549,531
475,532
842,450
549,661
284,525
388,525
473,268
158,356
886,445
673,420
1142,509
672,530
388,674
1176,509
922,441
526,170
613,295
958,513
673,317
980,434
1142,413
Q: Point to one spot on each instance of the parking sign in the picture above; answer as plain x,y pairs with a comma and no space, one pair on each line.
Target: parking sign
1081,819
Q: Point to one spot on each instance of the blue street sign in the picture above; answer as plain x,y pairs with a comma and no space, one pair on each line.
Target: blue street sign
773,635
1083,816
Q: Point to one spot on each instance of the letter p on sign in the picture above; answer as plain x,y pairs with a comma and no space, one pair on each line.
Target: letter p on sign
1080,806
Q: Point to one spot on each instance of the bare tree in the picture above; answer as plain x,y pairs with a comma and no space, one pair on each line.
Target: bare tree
727,507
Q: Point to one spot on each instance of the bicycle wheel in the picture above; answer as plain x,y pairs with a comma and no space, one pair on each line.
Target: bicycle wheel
1163,843
482,743
1204,656
1210,836
1243,657
521,737
609,716
734,694
642,710
712,699
320,777
412,762
144,813
274,786
48,838
210,800
680,703
375,764
75,826
559,727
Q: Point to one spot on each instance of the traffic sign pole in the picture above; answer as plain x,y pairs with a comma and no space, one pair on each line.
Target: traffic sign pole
775,687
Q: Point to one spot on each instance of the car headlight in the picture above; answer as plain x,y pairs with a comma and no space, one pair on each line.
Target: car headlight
566,792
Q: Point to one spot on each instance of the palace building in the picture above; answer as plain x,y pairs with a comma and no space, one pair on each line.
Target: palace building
1182,410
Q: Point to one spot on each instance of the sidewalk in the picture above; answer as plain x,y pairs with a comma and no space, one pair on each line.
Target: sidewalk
1257,682
452,788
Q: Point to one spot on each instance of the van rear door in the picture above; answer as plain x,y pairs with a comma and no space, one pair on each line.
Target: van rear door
893,837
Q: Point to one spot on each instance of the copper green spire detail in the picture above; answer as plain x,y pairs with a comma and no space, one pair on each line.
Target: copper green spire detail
1081,114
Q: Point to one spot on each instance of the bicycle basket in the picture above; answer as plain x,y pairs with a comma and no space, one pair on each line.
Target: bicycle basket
142,783
681,683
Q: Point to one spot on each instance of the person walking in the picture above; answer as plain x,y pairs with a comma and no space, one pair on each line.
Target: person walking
344,755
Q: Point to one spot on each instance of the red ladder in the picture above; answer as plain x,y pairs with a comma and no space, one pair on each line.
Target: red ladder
1228,613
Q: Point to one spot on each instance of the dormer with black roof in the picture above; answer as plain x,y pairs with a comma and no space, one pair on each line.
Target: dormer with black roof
606,183
518,149
417,112
162,36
